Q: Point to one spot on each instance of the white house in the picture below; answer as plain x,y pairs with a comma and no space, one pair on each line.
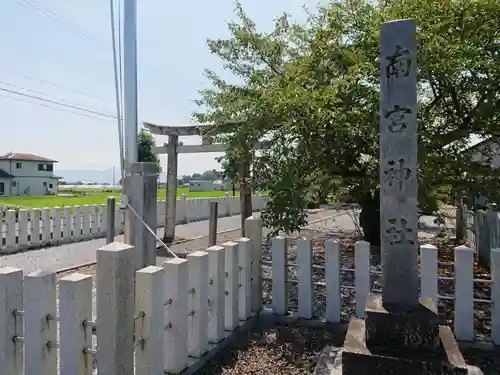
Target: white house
205,185
27,174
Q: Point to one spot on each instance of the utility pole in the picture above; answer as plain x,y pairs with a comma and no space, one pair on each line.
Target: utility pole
130,80
140,180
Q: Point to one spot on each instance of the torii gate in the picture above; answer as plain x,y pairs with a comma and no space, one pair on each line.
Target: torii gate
172,149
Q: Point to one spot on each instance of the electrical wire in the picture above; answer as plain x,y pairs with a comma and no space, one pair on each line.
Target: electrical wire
41,93
56,85
27,101
72,27
15,92
68,25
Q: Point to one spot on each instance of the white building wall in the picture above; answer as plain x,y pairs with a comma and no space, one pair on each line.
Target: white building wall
28,168
34,186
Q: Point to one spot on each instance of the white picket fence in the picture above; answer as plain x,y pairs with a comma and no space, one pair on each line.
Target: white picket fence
34,228
180,311
185,308
463,265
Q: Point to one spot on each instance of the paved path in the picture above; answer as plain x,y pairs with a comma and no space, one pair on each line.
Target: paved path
74,254
69,255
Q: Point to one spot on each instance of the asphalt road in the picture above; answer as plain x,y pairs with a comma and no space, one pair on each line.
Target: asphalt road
73,254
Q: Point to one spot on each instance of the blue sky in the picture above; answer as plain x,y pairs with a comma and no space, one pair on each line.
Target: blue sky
61,50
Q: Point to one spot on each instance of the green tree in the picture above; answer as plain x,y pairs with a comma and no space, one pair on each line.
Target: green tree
312,92
209,175
145,144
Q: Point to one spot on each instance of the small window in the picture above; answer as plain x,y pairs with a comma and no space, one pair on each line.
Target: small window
45,184
14,183
19,165
41,167
50,167
51,186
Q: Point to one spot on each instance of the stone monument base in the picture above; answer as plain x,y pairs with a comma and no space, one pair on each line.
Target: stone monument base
400,340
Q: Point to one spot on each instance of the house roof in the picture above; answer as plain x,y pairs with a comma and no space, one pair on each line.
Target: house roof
25,157
4,174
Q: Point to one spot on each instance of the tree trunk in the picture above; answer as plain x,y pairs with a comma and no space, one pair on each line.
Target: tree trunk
369,218
245,195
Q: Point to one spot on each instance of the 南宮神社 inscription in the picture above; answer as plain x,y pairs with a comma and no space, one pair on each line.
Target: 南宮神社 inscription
398,162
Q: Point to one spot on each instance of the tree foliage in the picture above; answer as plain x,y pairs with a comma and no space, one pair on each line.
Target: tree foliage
145,153
312,92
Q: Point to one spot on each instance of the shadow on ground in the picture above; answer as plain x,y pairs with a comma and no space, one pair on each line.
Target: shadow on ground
294,349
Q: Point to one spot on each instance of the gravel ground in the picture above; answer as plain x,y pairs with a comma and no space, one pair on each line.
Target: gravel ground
284,350
294,350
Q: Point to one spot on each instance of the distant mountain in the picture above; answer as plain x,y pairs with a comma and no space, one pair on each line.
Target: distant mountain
92,175
89,175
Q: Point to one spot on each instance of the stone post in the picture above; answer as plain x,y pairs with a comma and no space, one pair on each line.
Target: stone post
110,223
141,187
398,162
212,224
401,332
172,145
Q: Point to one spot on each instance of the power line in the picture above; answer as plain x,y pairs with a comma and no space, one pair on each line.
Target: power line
71,89
82,111
42,93
107,115
71,26
68,25
24,100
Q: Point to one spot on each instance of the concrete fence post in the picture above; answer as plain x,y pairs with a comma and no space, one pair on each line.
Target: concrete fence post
11,299
115,308
429,272
35,226
304,260
94,220
175,347
227,205
149,306
47,225
75,297
332,276
86,220
10,221
253,230
77,225
56,219
183,207
23,229
495,296
232,285
67,223
216,295
280,275
197,303
40,325
103,218
464,293
362,280
245,261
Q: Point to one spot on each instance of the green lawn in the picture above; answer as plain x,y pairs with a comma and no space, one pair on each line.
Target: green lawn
89,196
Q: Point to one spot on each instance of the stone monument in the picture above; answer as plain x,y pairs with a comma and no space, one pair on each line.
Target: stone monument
401,333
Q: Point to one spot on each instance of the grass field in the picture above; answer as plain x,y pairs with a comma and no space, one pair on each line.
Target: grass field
89,196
